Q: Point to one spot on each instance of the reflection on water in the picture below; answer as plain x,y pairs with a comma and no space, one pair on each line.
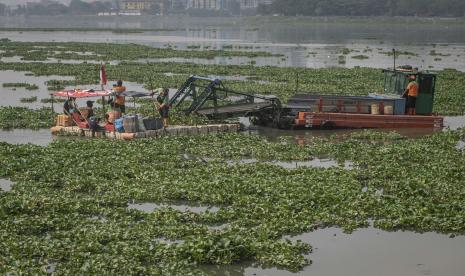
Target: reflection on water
308,55
305,41
5,185
304,136
369,252
181,206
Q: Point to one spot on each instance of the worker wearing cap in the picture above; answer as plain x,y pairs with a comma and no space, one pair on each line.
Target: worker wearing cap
411,92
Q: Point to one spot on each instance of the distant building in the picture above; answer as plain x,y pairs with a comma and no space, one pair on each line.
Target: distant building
223,6
253,4
136,7
248,4
178,4
205,4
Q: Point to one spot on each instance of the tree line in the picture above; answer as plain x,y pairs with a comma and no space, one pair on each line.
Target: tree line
454,8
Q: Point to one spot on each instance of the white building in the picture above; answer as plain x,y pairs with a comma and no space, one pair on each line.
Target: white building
178,4
249,4
205,4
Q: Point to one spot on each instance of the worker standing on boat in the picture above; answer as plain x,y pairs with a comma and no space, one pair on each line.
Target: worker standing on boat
120,100
164,107
411,93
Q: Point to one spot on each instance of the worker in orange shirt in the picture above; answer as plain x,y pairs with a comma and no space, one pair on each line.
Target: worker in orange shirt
120,100
411,93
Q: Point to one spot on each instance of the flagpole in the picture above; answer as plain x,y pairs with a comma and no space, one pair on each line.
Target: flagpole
103,79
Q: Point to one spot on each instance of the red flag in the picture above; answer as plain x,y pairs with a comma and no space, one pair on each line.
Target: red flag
103,75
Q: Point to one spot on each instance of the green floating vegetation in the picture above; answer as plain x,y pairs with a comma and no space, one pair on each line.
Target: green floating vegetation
54,100
28,99
360,57
346,51
261,80
21,117
28,86
434,53
400,53
87,186
40,51
55,85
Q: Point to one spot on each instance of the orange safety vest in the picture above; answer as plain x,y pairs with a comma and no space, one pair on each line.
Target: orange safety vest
119,88
120,100
412,88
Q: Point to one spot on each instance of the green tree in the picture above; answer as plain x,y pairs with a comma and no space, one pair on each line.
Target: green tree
80,7
366,7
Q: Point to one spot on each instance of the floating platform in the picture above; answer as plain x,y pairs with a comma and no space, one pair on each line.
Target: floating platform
349,120
169,131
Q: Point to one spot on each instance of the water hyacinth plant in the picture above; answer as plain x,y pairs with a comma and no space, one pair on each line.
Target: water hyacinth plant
263,80
21,117
73,214
27,86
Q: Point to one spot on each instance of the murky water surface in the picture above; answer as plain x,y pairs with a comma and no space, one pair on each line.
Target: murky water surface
454,122
370,252
11,96
149,207
5,185
460,145
315,163
305,42
41,137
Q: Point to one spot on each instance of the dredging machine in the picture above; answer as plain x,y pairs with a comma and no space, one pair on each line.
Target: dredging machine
209,97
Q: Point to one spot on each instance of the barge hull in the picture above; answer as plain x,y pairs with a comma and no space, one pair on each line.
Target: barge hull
349,120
